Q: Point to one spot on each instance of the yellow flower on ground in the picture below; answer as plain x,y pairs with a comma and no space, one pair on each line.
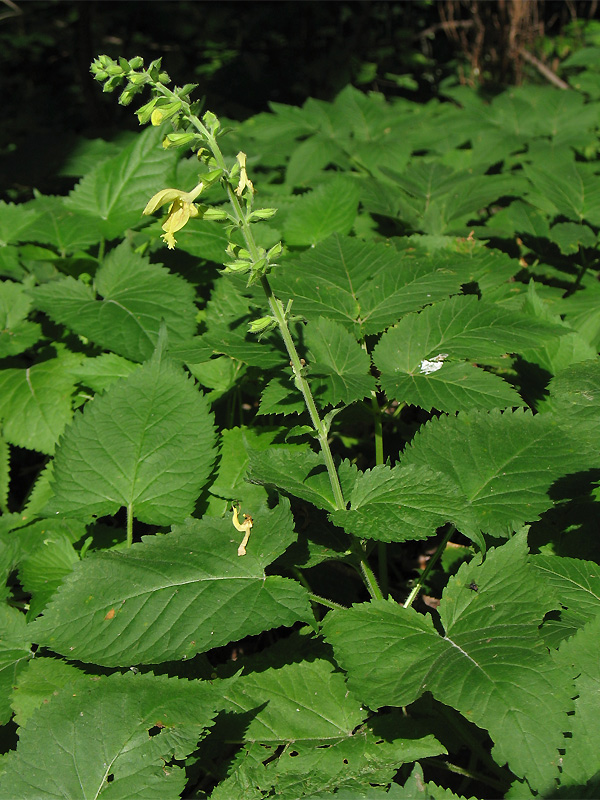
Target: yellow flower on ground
181,210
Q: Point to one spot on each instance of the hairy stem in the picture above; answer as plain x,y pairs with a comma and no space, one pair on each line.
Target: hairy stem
279,315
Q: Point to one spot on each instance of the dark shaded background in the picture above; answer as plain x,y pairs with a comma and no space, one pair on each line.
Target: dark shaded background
243,55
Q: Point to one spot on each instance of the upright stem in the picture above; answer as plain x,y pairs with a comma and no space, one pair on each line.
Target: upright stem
381,546
301,382
129,525
378,429
278,313
432,562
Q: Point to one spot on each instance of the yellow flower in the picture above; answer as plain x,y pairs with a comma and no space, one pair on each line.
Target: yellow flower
244,179
181,210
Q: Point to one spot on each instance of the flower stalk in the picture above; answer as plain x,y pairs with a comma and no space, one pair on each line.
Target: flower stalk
254,261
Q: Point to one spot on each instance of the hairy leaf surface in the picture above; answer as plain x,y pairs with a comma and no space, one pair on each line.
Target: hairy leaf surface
489,663
116,192
364,286
147,443
114,735
504,463
170,597
136,296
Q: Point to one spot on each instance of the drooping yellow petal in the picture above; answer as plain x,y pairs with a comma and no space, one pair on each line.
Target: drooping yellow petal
161,199
169,240
181,210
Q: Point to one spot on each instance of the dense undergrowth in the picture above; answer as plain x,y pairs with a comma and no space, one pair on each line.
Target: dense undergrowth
439,277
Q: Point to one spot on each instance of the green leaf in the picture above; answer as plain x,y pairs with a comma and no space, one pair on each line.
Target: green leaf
308,159
503,463
455,387
281,395
574,396
402,504
571,189
65,228
575,584
15,652
490,663
364,286
170,597
16,333
520,219
203,239
570,237
416,788
307,701
575,391
235,445
329,209
147,444
136,296
100,372
301,472
35,403
411,355
4,474
37,683
556,354
116,192
339,368
581,761
436,199
310,712
115,735
370,757
42,572
14,221
462,327
567,118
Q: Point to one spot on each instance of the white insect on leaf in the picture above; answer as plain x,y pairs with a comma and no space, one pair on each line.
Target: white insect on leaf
432,365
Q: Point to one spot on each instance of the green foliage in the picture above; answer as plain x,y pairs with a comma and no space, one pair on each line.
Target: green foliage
409,376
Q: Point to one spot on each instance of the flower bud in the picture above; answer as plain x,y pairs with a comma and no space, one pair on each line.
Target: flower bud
189,87
237,266
275,251
259,266
137,79
262,214
211,121
112,83
154,69
114,69
210,177
178,140
216,215
137,62
262,325
165,111
144,112
129,93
